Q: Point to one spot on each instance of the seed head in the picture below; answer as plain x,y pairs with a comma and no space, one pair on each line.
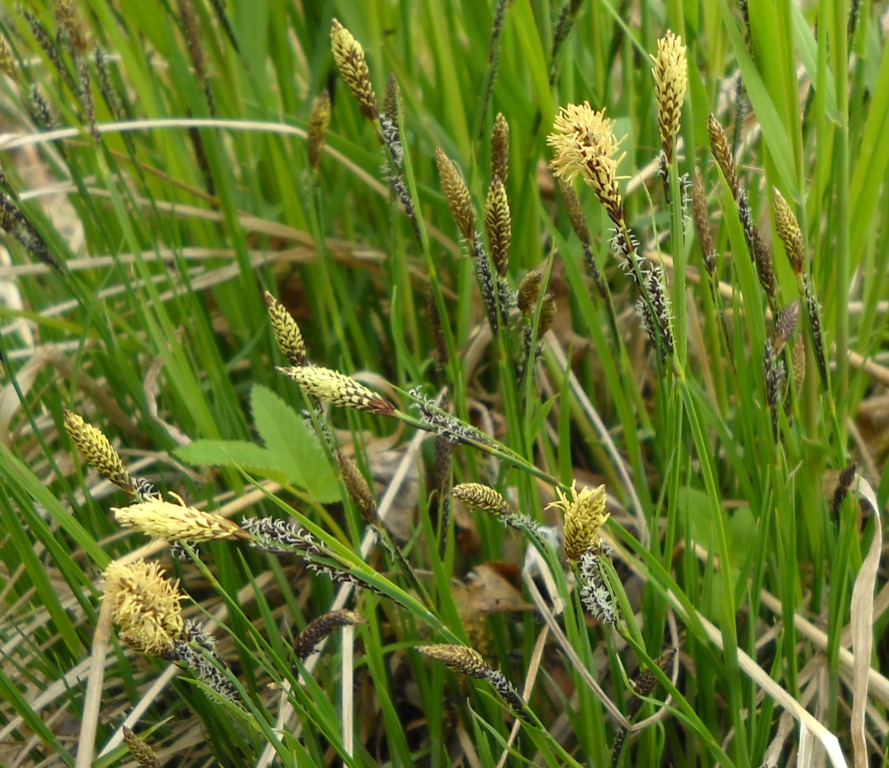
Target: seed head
287,334
798,362
585,146
145,606
97,451
458,658
482,498
357,487
349,57
7,64
584,516
498,225
786,324
317,629
140,751
702,221
500,148
575,212
722,152
529,289
547,314
177,522
456,194
67,19
670,82
790,233
333,387
319,122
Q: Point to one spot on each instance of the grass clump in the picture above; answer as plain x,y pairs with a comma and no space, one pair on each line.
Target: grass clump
523,369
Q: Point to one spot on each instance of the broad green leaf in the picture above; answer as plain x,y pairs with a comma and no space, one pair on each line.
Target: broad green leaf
291,453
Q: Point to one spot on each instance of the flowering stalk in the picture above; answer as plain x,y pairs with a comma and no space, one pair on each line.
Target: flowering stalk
585,515
96,450
791,235
469,662
332,387
585,146
317,629
460,202
670,82
177,522
352,64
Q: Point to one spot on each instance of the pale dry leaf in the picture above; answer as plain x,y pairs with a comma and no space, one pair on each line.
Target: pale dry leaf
862,621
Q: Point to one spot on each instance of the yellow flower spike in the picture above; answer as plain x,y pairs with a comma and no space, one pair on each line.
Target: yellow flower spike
97,451
584,515
790,233
670,83
333,387
585,146
287,333
349,57
456,195
177,522
144,606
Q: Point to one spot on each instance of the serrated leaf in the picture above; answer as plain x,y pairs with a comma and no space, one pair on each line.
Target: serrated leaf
291,453
286,435
230,453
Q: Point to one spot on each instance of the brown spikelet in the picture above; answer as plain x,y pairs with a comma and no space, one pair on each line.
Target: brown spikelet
762,258
547,314
790,233
574,211
785,325
482,498
66,17
702,221
844,483
108,91
500,148
333,387
16,223
46,44
646,681
775,380
528,291
97,451
39,110
319,122
317,629
7,63
287,333
813,310
443,456
456,194
798,361
349,57
139,750
357,487
390,97
458,658
192,29
722,152
498,225
670,82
